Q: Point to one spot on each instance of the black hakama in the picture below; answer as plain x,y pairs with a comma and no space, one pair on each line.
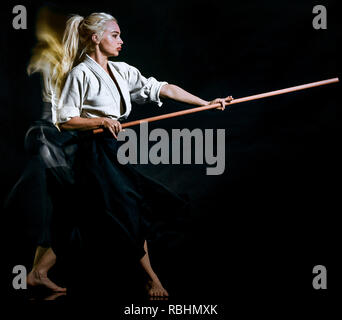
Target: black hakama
74,190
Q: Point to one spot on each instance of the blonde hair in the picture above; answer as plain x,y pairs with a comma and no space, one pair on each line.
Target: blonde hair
55,58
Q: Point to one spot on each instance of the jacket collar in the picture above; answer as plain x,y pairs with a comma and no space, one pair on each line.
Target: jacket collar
101,73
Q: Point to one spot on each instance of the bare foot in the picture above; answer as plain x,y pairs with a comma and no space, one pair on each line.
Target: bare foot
39,278
155,289
55,295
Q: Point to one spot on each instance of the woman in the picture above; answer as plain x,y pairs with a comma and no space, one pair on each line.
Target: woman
94,92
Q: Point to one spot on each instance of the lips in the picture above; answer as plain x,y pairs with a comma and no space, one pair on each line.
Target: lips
119,48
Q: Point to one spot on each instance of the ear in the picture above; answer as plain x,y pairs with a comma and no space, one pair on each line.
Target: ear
95,38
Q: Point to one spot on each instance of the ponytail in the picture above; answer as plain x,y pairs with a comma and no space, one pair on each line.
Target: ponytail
71,42
55,58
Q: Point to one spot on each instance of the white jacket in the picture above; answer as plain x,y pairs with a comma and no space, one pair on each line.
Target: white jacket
90,92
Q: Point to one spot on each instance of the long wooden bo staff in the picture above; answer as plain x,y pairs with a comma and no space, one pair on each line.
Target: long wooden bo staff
216,105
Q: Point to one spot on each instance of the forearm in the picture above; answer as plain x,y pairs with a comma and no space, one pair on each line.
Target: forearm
176,93
78,123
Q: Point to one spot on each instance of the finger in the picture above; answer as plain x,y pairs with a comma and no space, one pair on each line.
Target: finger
117,128
114,126
111,129
220,102
223,103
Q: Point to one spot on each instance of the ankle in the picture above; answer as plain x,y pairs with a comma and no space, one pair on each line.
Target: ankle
39,272
154,278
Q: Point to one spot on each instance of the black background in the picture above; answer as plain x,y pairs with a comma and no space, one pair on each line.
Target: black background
257,230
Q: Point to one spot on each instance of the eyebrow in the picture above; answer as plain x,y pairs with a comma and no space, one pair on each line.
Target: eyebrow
114,31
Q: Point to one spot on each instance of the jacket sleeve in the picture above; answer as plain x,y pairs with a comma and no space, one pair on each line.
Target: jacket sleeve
71,99
142,89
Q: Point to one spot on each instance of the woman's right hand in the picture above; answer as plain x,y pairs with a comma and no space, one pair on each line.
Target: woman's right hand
113,126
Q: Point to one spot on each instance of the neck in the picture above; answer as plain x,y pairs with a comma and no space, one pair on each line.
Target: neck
101,59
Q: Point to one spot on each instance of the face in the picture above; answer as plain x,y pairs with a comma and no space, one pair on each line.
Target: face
111,42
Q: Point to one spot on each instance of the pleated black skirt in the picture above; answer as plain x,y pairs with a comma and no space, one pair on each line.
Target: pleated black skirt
74,190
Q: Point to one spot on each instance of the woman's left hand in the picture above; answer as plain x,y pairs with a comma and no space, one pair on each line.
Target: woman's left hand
222,101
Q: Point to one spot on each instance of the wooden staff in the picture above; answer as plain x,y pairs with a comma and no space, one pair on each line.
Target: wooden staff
216,105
